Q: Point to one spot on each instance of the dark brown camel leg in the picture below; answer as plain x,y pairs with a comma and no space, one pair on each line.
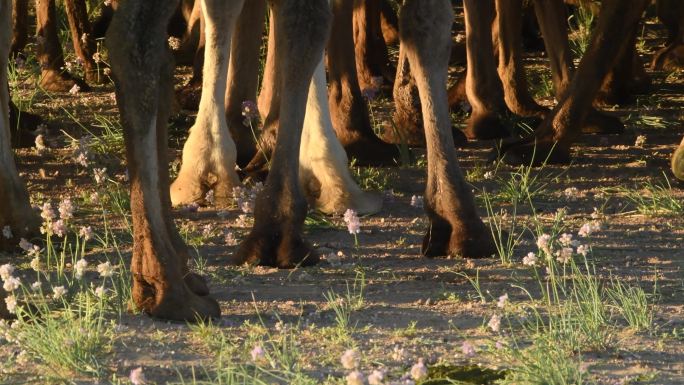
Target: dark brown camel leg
141,67
389,23
348,110
22,124
53,74
455,227
553,139
627,78
552,17
101,24
20,26
406,125
372,59
511,69
301,30
243,77
83,40
483,86
15,208
671,14
193,20
189,95
269,109
457,94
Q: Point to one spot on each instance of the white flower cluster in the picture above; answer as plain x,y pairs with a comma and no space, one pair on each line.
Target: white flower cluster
351,360
245,197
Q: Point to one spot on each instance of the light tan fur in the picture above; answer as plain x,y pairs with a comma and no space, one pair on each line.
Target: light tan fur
209,154
678,162
322,157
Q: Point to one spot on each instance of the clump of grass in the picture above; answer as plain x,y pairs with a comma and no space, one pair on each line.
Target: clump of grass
343,305
574,310
477,173
506,237
370,178
279,359
581,27
656,199
75,340
542,363
524,184
543,87
317,221
632,303
588,308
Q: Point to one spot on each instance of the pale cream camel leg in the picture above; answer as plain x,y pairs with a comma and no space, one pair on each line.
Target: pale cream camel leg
678,162
323,171
209,154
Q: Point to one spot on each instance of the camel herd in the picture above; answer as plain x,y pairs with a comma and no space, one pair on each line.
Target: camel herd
312,124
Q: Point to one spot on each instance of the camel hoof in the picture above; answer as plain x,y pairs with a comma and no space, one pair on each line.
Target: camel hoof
460,139
600,123
193,309
54,81
442,240
534,154
485,127
281,250
669,58
197,284
373,153
366,203
185,191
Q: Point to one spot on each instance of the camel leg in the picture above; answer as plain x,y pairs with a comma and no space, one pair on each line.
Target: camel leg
189,95
191,37
671,57
22,126
483,86
455,227
389,23
84,42
209,154
323,171
301,30
53,76
143,76
626,78
20,26
678,162
15,208
511,68
100,25
243,76
372,59
269,108
348,110
552,17
457,94
406,125
562,127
